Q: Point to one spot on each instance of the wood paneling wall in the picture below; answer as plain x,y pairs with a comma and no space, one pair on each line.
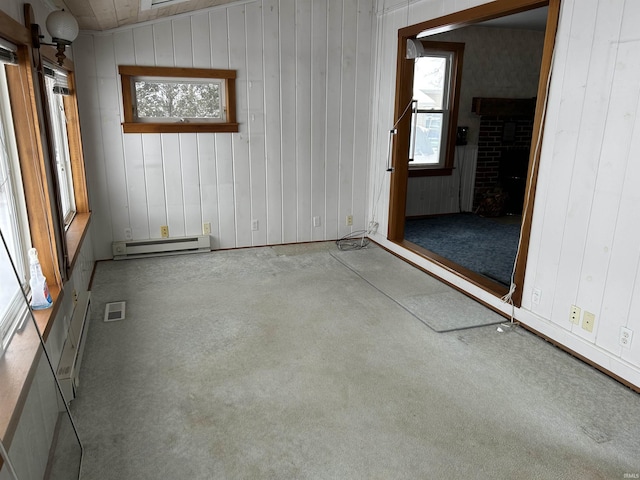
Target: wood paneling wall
584,249
304,97
445,194
587,216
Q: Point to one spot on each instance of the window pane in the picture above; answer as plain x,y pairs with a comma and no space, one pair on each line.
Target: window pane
426,138
61,145
431,94
11,223
429,83
162,99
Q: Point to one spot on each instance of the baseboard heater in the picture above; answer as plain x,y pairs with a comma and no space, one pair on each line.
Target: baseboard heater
69,366
161,246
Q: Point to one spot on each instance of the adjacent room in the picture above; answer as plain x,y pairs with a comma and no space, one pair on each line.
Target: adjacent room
319,239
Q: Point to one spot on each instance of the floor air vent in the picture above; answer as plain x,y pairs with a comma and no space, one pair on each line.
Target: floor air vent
161,246
114,311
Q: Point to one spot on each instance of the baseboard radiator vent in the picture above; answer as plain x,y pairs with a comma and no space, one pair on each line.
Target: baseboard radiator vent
161,246
69,366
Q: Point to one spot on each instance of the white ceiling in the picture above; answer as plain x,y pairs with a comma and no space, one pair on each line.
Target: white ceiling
107,14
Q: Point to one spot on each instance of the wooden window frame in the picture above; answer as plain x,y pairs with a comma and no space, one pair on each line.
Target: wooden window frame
77,228
21,359
130,125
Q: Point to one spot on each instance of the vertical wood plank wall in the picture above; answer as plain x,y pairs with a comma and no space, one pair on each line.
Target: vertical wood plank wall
584,249
304,96
445,194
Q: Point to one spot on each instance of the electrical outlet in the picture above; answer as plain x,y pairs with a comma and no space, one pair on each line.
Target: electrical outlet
128,235
164,231
316,221
625,337
255,225
536,295
349,220
574,315
206,228
588,320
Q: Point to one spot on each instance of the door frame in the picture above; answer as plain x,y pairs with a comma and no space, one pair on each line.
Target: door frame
400,148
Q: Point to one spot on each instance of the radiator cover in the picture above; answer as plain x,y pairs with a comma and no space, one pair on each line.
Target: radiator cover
69,366
161,246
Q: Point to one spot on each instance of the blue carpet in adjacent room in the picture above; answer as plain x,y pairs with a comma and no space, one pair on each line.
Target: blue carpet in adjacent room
482,245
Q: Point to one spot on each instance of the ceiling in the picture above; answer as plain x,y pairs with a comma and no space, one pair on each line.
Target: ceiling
107,14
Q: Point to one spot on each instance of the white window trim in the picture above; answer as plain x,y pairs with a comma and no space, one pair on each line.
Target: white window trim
445,111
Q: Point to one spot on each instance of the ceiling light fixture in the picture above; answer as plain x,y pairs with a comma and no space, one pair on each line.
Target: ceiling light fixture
62,27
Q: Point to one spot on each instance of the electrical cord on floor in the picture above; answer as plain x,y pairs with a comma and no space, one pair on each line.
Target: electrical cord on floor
353,241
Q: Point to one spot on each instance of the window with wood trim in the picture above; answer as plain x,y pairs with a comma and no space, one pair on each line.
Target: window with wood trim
174,100
436,82
56,86
13,218
65,152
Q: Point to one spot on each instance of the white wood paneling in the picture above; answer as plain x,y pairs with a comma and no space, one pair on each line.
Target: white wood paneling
172,168
190,184
333,222
363,88
143,45
288,130
255,114
318,118
303,93
240,140
347,128
273,119
182,47
303,103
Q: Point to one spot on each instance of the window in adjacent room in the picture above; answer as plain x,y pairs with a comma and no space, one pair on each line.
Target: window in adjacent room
164,99
435,97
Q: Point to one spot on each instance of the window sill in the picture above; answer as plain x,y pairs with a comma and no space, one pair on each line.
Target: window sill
133,127
74,237
20,361
18,367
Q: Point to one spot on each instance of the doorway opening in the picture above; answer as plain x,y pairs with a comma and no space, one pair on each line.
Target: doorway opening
465,156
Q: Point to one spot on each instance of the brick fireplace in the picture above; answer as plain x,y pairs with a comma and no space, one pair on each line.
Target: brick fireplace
504,141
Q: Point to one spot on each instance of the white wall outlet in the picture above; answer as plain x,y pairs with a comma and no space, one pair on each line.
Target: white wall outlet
316,221
128,235
574,315
206,228
625,337
588,321
535,296
164,231
349,220
255,225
